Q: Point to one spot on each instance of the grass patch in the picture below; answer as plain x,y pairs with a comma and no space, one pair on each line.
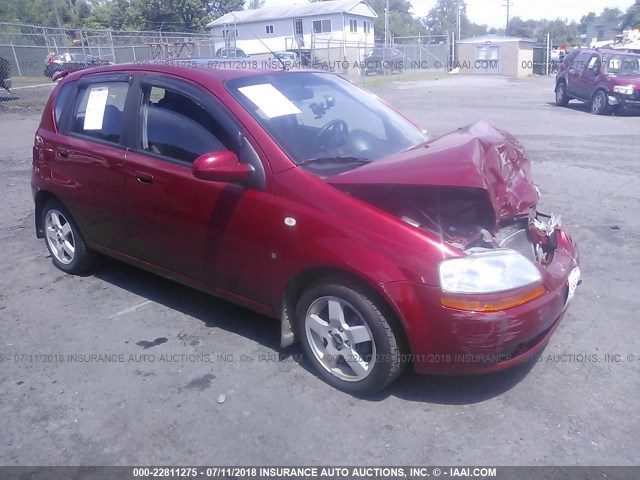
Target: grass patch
14,104
31,80
385,80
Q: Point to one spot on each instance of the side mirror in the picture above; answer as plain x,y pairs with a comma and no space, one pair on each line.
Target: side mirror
220,167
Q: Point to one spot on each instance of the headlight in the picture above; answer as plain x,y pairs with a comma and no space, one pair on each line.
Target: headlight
624,89
487,272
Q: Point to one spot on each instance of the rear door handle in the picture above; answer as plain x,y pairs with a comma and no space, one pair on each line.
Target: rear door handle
143,177
63,153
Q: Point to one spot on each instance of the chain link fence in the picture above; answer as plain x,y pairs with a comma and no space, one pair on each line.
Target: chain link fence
27,50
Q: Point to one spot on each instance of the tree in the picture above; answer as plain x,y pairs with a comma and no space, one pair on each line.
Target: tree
8,11
611,16
587,20
170,15
255,4
631,19
521,28
443,18
562,32
401,22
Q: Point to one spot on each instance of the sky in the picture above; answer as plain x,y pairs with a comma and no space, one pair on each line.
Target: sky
492,12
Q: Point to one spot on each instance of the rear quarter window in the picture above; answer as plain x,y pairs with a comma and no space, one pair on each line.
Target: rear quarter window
62,99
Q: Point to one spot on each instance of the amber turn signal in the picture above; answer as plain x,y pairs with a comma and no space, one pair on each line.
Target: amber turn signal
494,304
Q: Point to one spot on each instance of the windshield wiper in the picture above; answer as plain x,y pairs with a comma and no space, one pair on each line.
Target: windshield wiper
338,159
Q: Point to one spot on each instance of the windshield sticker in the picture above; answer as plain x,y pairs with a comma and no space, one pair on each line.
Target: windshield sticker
95,108
269,100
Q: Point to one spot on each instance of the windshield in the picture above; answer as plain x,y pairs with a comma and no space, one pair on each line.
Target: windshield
320,116
623,64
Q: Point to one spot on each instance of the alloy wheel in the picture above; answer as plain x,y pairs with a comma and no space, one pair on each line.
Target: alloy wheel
340,338
60,236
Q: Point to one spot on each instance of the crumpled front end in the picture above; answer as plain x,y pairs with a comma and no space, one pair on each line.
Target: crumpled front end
460,341
472,190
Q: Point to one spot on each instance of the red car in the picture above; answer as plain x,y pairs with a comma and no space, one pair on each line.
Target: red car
303,196
607,80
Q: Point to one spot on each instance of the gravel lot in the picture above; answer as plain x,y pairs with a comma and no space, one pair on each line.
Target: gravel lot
572,407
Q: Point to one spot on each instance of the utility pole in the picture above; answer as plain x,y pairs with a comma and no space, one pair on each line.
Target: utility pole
387,34
459,12
55,11
508,4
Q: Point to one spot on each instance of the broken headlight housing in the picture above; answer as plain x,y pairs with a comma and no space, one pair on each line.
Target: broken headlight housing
491,271
624,89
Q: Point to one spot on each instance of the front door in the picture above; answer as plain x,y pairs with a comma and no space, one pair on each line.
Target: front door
212,232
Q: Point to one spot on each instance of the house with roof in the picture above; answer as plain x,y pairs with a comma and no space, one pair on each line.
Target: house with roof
328,23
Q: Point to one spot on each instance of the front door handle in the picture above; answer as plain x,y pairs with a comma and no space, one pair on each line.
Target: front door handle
143,177
63,153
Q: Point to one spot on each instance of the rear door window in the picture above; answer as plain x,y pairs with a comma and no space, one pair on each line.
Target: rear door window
99,111
583,61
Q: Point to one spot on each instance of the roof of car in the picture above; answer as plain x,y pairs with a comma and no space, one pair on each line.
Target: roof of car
217,69
614,51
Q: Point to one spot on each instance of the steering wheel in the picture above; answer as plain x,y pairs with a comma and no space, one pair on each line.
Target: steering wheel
332,135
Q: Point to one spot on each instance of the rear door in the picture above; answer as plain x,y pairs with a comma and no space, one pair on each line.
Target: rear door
212,232
589,76
575,86
89,154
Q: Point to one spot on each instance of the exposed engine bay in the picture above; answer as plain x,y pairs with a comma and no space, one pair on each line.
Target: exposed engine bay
464,218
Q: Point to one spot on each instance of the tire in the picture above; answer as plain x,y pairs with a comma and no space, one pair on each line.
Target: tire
64,241
562,100
599,105
348,339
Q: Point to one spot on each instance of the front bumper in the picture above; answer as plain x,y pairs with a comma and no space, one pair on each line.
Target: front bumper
449,341
629,102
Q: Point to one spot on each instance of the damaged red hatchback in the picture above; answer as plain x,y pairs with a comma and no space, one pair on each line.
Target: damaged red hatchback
303,196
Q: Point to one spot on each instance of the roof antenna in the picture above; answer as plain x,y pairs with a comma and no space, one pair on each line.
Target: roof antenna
284,65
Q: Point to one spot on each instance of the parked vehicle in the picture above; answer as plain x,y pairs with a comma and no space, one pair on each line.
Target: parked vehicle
308,59
607,80
288,59
231,53
71,61
303,196
5,74
385,60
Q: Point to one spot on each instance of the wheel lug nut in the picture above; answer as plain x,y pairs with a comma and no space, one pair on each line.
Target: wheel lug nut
341,329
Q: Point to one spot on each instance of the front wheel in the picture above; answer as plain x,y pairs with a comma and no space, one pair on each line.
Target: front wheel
64,241
348,339
599,104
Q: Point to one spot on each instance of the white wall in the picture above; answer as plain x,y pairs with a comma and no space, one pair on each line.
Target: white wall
283,37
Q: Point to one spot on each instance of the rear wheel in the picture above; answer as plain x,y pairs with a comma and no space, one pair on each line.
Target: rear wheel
562,99
63,238
347,337
599,104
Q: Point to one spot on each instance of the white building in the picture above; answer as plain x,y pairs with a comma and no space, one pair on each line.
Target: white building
318,25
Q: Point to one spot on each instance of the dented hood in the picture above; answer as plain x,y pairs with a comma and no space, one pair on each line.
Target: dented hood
478,156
